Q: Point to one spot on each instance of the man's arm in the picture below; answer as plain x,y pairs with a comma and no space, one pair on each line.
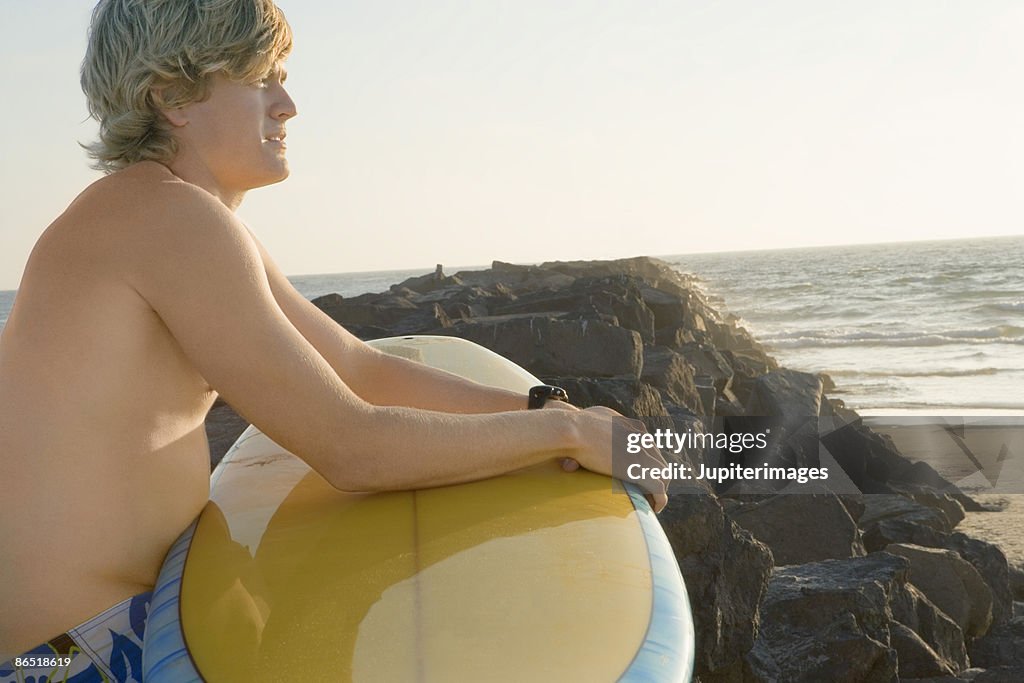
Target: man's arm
202,273
380,378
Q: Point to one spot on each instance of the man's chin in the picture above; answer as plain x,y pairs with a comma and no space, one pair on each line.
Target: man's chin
285,172
274,178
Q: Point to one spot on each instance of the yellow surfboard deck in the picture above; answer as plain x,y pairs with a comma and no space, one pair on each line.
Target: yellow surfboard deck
533,576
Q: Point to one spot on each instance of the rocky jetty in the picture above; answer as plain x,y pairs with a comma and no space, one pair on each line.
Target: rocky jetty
867,583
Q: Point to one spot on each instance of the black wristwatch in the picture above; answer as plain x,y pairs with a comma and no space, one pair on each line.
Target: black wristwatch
541,394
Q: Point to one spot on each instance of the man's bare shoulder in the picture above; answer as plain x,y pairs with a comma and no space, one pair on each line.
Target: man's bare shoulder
140,200
141,213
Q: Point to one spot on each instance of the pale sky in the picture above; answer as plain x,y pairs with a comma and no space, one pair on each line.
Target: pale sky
526,130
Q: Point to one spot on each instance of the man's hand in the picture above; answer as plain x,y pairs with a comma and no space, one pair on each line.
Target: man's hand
596,427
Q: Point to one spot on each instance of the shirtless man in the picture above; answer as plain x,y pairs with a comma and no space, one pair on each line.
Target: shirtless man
147,297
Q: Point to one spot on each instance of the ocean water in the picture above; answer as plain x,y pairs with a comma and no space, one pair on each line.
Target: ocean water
923,327
920,327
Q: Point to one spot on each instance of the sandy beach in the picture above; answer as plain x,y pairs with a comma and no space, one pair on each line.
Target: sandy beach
1004,525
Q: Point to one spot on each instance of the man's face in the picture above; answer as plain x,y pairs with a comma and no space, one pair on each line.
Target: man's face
234,139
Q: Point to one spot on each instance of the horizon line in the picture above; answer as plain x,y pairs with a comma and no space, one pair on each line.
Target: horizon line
660,256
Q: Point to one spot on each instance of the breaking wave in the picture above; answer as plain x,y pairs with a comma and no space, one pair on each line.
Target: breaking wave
998,334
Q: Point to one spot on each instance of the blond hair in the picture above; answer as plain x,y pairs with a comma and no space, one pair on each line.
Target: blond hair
148,55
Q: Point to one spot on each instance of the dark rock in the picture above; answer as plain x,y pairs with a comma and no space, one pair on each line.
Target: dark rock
223,427
1016,575
368,332
659,274
726,572
1002,646
991,563
380,310
968,503
616,297
396,313
505,267
727,405
916,659
695,322
329,300
947,504
787,394
793,399
518,278
952,584
747,366
732,339
668,309
674,337
706,360
882,533
708,397
630,397
914,610
474,296
801,528
461,311
836,408
547,346
1000,674
753,363
830,621
893,506
854,505
620,296
669,371
875,465
547,301
428,282
428,318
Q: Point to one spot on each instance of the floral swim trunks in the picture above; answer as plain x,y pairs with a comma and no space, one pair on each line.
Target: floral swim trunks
104,649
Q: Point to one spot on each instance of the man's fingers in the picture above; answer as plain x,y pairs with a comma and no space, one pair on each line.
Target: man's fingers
656,487
570,465
658,501
655,455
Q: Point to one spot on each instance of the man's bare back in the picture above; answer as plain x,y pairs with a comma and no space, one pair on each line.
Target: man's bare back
102,446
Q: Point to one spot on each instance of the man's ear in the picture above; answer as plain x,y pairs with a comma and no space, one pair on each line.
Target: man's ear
177,116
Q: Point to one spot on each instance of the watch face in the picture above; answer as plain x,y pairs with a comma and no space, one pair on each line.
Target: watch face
540,395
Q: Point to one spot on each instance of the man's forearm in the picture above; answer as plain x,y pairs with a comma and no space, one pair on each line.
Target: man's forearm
387,380
397,448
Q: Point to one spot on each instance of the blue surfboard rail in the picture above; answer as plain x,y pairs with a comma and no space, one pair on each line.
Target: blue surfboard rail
668,650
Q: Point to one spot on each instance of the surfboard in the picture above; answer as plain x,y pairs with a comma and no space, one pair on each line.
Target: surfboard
537,575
